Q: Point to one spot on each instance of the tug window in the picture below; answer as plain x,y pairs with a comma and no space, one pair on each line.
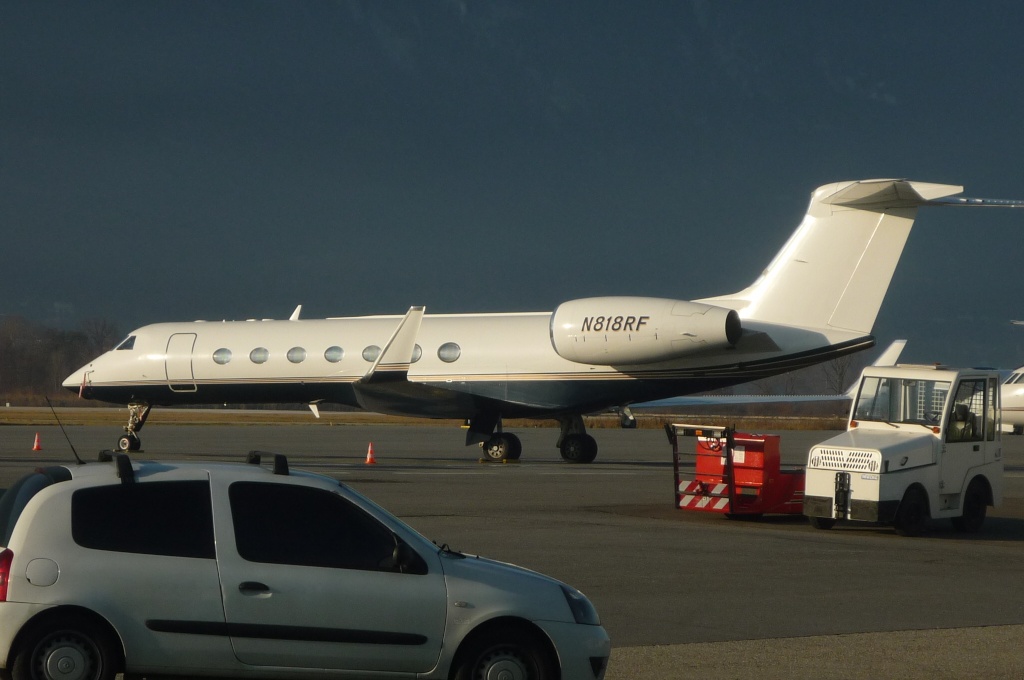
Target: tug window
334,354
222,356
296,355
259,355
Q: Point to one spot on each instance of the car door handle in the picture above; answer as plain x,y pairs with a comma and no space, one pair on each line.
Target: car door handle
253,588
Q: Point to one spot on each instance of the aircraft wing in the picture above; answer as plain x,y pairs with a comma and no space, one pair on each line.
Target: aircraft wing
886,358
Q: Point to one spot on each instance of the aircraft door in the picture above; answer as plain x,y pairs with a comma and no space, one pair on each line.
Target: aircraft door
179,362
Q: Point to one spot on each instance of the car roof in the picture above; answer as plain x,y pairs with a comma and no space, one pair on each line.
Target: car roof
117,466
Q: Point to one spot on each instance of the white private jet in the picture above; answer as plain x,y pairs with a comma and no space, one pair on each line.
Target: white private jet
817,300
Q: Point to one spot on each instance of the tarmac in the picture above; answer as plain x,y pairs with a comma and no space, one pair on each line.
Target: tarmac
681,594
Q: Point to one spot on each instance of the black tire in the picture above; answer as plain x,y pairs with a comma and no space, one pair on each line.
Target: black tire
498,448
505,652
69,648
579,448
975,506
515,446
822,522
502,447
912,516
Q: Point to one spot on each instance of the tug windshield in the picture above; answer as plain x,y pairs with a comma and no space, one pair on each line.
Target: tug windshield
901,400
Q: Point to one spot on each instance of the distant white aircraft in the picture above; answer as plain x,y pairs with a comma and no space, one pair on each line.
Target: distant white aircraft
817,300
1011,396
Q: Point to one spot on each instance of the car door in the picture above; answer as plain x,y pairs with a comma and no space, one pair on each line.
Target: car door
307,582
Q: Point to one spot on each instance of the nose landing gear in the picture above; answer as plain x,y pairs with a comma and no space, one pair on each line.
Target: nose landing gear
129,441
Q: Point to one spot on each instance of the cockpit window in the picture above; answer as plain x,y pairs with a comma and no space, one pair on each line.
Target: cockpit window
127,343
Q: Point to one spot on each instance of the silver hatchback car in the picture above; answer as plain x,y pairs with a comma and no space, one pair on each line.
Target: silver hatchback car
235,570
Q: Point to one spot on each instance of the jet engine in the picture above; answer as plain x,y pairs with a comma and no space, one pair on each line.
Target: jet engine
638,330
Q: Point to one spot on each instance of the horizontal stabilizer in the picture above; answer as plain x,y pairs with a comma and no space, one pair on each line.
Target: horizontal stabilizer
889,193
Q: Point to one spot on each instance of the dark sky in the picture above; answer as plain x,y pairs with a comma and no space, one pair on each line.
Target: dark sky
165,161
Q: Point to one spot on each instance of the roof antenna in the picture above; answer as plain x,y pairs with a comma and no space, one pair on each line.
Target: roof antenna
54,412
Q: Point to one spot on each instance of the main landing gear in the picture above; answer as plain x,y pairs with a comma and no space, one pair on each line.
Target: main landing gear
129,441
502,446
575,445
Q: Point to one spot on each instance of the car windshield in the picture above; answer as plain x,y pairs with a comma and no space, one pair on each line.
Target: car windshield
901,400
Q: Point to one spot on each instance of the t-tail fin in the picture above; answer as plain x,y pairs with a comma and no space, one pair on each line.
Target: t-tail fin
834,271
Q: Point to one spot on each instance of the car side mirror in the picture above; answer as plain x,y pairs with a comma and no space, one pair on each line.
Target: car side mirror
404,559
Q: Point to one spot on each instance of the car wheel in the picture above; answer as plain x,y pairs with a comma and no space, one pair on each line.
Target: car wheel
506,653
975,506
912,515
71,648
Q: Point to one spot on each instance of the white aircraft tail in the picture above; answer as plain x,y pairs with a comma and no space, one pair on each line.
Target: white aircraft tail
834,271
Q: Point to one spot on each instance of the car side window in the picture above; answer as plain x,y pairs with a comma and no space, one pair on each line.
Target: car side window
289,524
14,500
152,518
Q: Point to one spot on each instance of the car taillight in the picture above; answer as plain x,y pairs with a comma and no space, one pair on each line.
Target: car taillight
6,557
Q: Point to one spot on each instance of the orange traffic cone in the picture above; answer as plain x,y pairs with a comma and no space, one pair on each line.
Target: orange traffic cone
36,446
370,460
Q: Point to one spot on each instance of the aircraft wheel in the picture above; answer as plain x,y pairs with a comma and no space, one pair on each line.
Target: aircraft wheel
503,446
515,446
579,448
912,516
129,442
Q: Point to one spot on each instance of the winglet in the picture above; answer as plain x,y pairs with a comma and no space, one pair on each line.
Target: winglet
393,361
891,354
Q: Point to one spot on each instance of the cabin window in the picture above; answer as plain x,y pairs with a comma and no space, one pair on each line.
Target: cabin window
222,356
296,355
449,352
371,353
259,355
417,353
334,354
127,343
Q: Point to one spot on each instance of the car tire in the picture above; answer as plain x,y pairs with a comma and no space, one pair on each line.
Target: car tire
505,652
68,648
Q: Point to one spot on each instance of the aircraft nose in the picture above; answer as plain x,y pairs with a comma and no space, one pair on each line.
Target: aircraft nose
76,381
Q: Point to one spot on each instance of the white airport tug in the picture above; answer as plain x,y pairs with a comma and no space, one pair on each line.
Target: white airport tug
922,443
